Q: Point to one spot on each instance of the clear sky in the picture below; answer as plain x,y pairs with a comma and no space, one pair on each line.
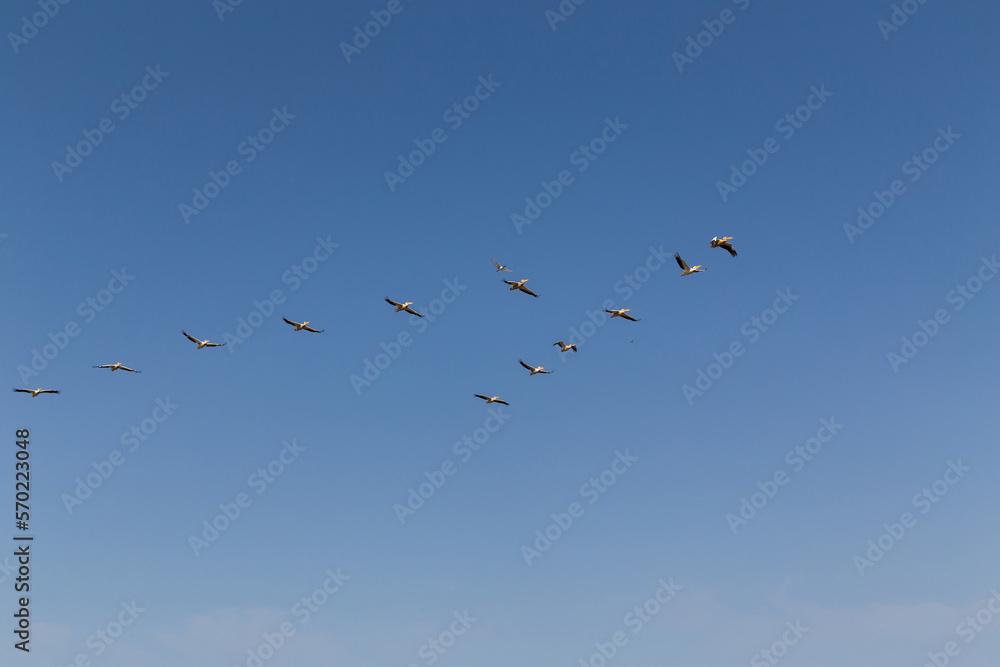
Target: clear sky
794,451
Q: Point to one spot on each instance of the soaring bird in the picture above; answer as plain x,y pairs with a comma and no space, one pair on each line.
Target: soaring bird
498,265
201,343
36,392
721,243
622,314
118,366
534,369
403,306
491,399
300,327
685,269
520,285
563,347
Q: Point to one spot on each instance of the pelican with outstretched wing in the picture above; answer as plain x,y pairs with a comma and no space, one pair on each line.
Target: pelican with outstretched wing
201,343
535,369
118,367
563,347
716,242
685,269
622,313
36,392
519,285
492,399
403,306
302,326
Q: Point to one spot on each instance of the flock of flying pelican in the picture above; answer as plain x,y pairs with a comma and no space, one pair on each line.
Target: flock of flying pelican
686,270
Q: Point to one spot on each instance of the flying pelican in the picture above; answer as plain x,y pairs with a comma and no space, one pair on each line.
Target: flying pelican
687,270
118,366
721,243
300,327
403,306
36,392
520,285
621,313
201,343
499,267
493,399
534,369
563,347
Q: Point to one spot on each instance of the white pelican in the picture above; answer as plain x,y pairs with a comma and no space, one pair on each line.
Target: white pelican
492,399
716,242
36,392
403,306
622,314
685,269
499,267
520,285
563,347
118,366
300,327
534,369
201,343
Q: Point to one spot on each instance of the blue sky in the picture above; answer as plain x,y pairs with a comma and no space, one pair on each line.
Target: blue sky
243,178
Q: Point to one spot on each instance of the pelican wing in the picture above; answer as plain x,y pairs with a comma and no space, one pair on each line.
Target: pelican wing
294,324
729,247
314,330
510,282
410,310
485,398
190,337
104,366
49,391
527,291
502,402
681,263
26,391
130,370
395,303
626,316
530,368
214,344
